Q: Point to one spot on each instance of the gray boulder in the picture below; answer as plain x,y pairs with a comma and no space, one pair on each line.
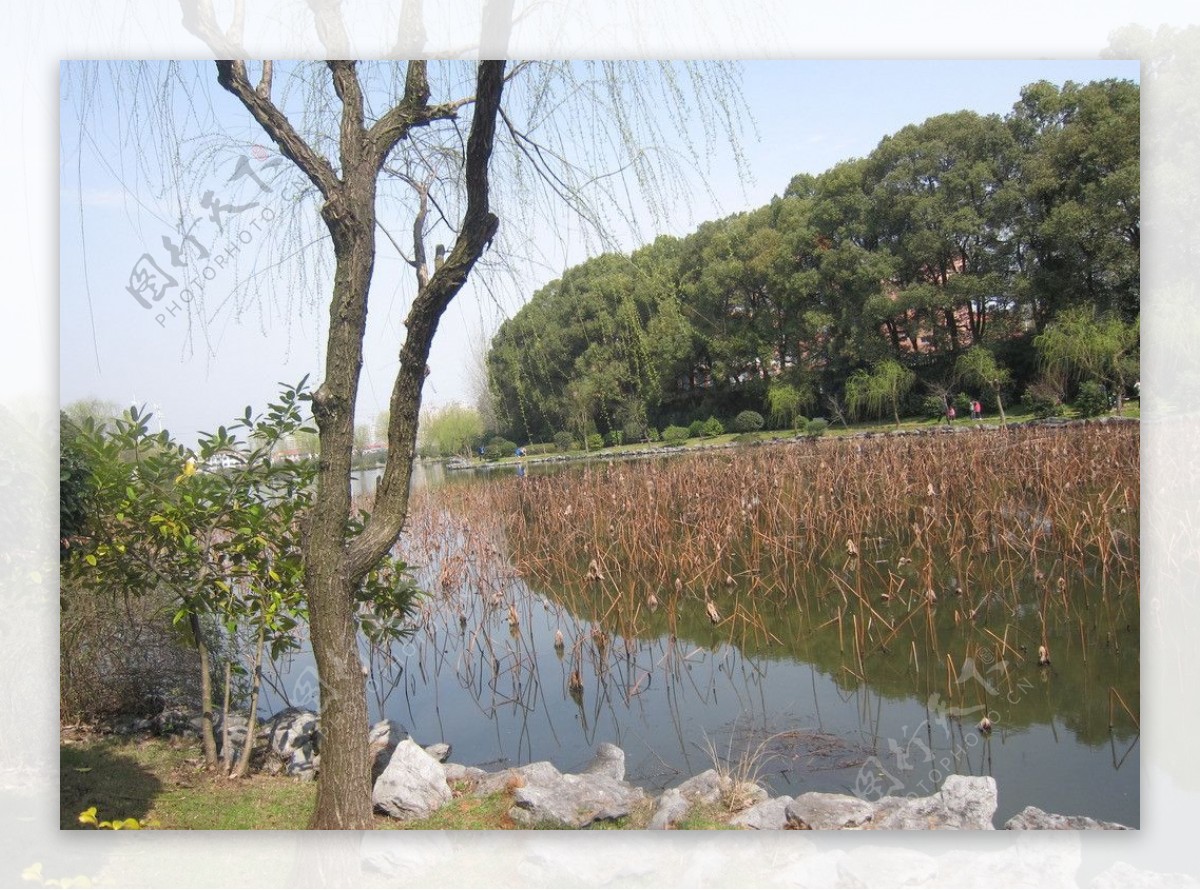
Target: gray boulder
771,814
542,772
710,788
821,812
574,801
609,761
456,772
294,740
239,725
964,802
439,752
177,720
413,784
672,807
1033,819
705,788
382,740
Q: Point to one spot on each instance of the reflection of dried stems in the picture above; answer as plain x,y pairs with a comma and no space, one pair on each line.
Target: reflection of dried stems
1111,713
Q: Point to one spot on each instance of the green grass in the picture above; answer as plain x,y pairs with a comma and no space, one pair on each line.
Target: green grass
707,817
162,783
463,813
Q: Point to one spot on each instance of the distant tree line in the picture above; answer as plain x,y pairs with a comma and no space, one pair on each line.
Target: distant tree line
957,257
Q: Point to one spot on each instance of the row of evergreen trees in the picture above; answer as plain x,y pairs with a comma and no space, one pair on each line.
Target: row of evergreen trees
963,231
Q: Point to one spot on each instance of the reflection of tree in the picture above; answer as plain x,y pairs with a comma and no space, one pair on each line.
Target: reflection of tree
1073,691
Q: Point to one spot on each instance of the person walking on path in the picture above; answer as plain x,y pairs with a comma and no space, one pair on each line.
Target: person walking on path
950,415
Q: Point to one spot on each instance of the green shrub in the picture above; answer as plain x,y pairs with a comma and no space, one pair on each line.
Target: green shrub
499,447
1092,400
696,429
563,441
712,427
816,427
962,404
933,408
748,422
1043,400
540,448
675,435
614,437
595,442
653,435
634,431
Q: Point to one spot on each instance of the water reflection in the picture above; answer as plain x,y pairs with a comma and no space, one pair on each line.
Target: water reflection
484,674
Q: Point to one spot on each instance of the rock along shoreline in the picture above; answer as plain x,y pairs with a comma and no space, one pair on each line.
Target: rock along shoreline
412,781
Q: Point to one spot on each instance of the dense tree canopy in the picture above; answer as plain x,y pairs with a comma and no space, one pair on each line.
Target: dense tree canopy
962,233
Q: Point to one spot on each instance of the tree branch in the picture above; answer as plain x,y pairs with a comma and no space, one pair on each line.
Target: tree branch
349,92
411,111
478,228
263,90
232,76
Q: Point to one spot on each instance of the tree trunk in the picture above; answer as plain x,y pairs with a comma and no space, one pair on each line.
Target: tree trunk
344,788
334,566
243,764
952,327
226,754
1000,405
206,705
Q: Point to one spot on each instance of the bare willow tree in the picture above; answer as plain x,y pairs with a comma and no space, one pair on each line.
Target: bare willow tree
381,154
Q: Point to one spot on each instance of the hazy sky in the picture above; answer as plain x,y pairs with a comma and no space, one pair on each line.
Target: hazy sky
241,339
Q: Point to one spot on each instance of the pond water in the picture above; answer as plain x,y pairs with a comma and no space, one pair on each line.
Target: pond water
491,681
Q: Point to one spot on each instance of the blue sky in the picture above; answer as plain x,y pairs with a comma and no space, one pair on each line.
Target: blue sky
807,115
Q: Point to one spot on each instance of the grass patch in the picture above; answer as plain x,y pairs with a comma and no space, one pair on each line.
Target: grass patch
162,783
639,817
464,813
706,817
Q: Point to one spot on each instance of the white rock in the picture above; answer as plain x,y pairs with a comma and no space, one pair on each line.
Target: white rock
964,802
574,801
770,815
1031,818
672,807
820,811
413,784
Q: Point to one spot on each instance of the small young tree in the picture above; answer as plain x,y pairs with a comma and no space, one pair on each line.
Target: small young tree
224,543
1092,346
783,402
978,367
884,386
